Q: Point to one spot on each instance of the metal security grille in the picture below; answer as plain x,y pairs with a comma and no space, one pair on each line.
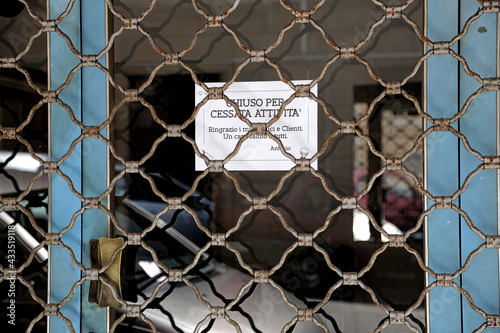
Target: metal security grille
186,273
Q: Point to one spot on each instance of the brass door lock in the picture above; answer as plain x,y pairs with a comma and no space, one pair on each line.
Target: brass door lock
101,252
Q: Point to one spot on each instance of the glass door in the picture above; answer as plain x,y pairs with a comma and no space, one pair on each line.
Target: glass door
265,166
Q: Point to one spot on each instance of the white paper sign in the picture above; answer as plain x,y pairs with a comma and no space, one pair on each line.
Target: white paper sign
218,128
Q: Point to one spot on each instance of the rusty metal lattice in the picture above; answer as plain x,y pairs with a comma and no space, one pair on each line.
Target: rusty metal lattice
220,239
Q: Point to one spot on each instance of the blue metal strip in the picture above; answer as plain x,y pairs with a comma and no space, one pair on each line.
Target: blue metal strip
87,166
442,167
94,158
63,204
479,48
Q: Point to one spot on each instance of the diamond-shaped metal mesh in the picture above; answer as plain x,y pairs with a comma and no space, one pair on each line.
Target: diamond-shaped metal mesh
188,275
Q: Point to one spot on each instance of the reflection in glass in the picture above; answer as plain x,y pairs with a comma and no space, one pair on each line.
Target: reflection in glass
23,147
299,204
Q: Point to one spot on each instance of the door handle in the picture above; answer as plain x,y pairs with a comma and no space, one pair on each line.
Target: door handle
101,252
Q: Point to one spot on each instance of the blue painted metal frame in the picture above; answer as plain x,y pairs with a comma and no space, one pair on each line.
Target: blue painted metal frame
63,274
87,165
94,151
442,166
480,200
450,240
